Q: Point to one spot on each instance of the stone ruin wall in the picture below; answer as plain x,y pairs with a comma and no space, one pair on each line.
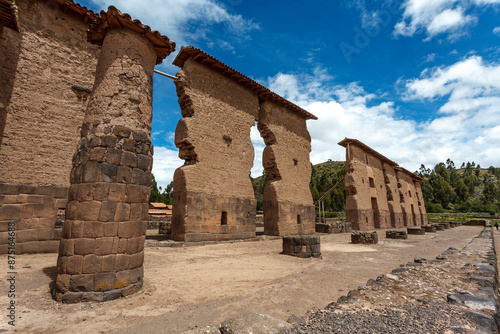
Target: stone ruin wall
372,183
40,119
365,183
213,195
288,208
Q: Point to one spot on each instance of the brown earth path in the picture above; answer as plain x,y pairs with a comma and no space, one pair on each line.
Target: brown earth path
204,285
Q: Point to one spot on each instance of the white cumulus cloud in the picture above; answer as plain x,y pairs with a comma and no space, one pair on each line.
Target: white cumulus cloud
434,17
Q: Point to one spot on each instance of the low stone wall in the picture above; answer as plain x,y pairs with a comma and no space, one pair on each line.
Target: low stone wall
396,234
154,221
476,222
333,227
416,231
364,237
33,211
165,228
302,245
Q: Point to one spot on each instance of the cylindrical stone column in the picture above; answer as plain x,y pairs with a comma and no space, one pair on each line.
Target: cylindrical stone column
102,247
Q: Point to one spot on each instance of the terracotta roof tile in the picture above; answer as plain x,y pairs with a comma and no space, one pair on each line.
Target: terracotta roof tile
216,65
114,18
378,155
8,14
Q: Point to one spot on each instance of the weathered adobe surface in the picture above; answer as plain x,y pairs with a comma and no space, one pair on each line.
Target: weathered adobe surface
287,166
213,138
40,112
101,252
374,183
40,117
454,293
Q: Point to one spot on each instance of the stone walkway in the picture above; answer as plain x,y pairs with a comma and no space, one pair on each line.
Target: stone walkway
453,293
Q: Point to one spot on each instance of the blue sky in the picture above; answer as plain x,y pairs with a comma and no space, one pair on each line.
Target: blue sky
417,80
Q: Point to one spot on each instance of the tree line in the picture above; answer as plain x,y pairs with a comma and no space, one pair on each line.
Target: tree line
467,189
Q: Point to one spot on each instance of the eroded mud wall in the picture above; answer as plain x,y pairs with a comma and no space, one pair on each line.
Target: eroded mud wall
213,194
288,205
41,113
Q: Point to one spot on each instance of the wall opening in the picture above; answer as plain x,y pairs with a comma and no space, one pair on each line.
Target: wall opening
298,220
372,182
223,218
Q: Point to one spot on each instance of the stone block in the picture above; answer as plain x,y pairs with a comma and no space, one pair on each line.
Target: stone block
26,236
81,283
108,172
122,245
91,172
89,210
136,260
60,203
100,191
135,245
124,174
438,227
9,189
67,247
302,246
129,159
27,211
122,212
108,141
116,192
110,229
144,162
139,177
130,229
121,131
97,154
104,281
107,212
62,283
77,229
429,228
137,193
60,192
416,230
140,136
91,264
104,246
395,234
113,156
129,144
108,263
84,246
10,212
93,229
74,265
364,237
122,262
45,234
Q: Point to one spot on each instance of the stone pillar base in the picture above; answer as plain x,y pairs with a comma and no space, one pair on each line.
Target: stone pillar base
416,230
395,234
204,217
364,237
302,246
283,218
429,228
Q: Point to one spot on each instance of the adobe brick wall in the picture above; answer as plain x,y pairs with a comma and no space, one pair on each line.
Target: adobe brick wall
288,205
40,118
40,112
380,194
213,195
33,210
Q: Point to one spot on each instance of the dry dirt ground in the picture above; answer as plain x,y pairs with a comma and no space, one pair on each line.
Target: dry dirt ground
195,286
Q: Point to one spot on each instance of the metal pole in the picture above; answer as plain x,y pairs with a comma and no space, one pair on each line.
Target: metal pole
165,74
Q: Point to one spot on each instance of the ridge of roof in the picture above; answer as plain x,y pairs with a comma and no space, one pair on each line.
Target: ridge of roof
368,149
113,18
263,93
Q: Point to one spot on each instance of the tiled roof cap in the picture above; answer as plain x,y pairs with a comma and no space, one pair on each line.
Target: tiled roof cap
113,18
216,65
368,149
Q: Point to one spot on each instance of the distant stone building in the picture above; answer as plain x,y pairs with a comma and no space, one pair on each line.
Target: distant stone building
380,193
